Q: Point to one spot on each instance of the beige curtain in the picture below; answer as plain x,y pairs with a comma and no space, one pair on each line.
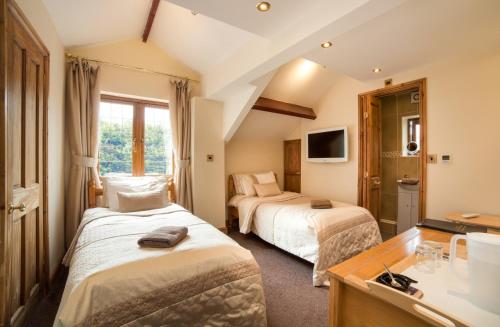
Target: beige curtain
180,120
82,123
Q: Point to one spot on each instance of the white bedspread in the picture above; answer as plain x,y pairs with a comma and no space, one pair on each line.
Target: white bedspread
323,237
207,279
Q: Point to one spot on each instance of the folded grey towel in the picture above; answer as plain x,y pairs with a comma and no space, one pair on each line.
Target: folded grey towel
321,204
163,237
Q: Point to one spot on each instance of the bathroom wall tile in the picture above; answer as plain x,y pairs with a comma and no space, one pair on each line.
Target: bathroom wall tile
407,166
389,207
389,124
389,175
389,134
389,106
405,107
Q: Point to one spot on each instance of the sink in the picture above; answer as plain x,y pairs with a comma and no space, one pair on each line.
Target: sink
408,181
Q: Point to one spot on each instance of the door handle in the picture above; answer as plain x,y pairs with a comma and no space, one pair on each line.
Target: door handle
377,182
21,208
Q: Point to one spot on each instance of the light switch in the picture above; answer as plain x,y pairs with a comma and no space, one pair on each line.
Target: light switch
210,157
431,158
446,158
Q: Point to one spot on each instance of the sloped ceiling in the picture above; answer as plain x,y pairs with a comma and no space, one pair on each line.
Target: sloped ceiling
414,34
260,125
197,40
300,82
242,13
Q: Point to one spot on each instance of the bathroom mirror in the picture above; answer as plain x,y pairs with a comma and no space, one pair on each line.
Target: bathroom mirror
410,135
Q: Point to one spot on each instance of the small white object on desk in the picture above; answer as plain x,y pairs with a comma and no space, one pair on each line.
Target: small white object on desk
470,215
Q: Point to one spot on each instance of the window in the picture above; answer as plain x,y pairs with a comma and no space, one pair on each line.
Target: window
135,137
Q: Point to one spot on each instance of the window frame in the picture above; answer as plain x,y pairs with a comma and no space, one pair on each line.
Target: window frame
138,122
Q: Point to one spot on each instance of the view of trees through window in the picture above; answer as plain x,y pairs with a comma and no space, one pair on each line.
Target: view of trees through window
118,142
115,129
157,141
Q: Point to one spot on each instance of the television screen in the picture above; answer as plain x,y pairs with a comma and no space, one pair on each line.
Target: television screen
327,145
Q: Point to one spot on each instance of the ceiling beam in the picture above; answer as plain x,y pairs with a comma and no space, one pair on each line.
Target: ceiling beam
284,108
151,18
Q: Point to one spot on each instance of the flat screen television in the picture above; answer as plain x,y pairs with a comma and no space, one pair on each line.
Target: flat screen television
327,145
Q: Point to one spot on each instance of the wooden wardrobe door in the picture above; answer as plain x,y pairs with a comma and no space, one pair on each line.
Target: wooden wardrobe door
292,166
26,91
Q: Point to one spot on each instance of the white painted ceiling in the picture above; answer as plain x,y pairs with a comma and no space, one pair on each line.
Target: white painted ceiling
97,21
261,125
198,41
301,81
413,34
243,14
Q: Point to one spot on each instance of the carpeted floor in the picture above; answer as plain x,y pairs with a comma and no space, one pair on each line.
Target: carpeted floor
290,297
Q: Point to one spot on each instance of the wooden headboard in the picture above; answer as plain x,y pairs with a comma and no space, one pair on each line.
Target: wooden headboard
94,192
231,189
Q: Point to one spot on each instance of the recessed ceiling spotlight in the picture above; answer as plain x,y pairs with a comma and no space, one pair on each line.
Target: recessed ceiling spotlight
263,6
326,44
376,70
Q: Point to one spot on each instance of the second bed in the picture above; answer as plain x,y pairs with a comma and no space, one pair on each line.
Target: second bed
323,237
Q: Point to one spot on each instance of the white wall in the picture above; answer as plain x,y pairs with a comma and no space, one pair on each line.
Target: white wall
38,16
208,177
463,116
137,54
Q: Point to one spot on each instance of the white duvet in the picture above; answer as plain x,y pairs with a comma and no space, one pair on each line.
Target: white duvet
206,279
323,237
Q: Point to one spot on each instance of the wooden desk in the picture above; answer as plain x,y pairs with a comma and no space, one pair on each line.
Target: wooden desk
492,223
351,305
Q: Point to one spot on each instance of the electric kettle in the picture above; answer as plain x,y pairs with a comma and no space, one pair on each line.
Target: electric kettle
483,268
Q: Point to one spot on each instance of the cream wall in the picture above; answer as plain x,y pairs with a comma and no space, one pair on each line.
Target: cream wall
253,156
463,115
37,14
208,177
137,54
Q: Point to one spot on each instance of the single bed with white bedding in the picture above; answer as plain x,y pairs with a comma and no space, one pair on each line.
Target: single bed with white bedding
206,279
323,237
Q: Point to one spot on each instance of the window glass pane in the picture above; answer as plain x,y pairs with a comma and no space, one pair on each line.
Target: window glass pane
115,131
157,141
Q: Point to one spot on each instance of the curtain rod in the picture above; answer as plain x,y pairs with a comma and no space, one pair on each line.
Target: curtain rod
140,69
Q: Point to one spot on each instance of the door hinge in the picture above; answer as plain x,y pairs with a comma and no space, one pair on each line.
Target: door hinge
366,174
366,114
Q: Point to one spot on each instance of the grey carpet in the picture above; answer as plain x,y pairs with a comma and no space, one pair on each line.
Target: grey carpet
290,297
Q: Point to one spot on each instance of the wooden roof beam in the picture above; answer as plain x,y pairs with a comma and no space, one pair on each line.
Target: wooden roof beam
151,18
284,108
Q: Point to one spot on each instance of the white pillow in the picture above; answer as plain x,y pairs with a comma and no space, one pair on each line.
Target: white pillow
130,184
243,184
237,183
265,178
247,182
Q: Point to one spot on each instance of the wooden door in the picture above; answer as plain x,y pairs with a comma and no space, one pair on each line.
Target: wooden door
24,257
292,165
373,119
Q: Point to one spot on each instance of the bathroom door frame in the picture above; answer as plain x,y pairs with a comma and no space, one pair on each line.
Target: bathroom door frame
364,152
